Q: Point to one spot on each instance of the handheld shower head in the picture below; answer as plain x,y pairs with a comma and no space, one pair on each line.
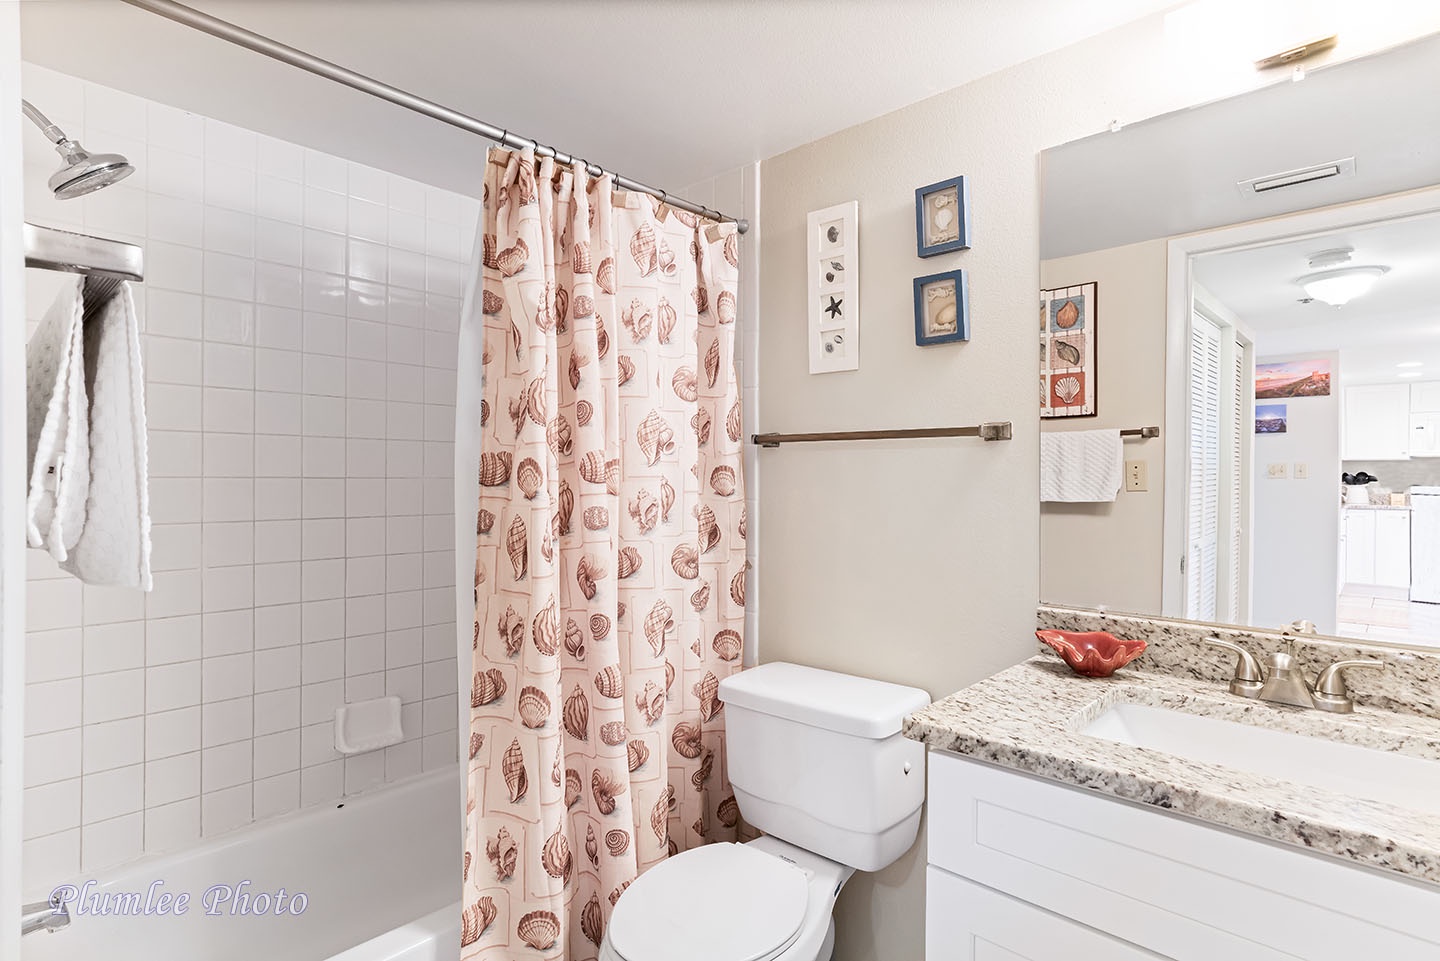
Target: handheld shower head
83,171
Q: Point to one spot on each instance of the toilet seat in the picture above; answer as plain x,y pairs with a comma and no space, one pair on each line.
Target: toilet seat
720,902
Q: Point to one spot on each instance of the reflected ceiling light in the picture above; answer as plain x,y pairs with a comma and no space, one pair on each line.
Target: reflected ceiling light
1335,284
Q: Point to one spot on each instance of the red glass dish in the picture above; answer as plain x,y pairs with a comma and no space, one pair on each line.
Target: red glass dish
1092,653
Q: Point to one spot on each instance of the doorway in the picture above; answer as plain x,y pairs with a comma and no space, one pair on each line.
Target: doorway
1281,388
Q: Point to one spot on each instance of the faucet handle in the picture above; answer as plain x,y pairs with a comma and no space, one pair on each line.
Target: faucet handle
1330,691
1248,678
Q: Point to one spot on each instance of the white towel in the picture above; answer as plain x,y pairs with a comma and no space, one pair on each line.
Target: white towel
1081,465
57,425
111,546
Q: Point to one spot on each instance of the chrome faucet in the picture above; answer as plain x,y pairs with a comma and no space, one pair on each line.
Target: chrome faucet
1282,680
50,915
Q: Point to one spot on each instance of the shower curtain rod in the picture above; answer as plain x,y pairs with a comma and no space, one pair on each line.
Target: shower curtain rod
225,30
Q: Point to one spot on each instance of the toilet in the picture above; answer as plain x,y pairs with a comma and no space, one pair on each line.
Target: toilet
818,763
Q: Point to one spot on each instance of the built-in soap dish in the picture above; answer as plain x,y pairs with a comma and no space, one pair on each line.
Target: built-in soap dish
367,725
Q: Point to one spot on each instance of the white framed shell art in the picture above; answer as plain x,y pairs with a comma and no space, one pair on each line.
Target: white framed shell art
1068,321
942,217
833,265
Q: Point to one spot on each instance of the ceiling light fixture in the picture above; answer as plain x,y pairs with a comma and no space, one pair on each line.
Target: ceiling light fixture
1335,284
1411,363
1409,373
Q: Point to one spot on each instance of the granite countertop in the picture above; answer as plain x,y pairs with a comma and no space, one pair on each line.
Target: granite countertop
1028,718
1376,507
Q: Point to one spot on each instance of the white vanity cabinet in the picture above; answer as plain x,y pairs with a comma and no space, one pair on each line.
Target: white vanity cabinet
1376,424
980,924
1026,869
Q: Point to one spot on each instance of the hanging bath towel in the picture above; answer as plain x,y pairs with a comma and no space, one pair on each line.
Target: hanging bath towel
1081,466
112,543
57,425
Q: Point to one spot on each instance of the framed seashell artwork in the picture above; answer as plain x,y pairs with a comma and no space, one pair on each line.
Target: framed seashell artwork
942,308
942,217
1068,321
834,287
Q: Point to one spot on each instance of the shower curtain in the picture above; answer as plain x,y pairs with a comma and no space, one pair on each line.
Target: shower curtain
610,553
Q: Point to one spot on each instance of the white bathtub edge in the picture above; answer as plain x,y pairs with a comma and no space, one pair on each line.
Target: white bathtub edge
434,937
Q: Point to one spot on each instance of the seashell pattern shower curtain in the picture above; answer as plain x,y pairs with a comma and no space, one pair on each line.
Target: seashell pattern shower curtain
610,553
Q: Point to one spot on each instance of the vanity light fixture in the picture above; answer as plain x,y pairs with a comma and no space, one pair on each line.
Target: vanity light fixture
1335,284
1297,53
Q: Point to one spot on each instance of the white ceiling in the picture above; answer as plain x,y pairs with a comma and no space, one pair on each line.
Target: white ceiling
1398,321
669,92
1178,173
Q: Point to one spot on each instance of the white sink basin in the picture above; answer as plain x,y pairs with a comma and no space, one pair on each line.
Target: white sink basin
1360,772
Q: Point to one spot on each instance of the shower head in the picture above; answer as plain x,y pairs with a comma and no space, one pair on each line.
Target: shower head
83,172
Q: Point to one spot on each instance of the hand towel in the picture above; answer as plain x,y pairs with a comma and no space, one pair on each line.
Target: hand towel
111,543
57,425
1081,466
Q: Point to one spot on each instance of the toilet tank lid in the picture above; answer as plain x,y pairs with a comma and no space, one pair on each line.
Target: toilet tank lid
842,703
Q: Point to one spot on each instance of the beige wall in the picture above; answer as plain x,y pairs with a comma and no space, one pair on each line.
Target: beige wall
1130,361
918,562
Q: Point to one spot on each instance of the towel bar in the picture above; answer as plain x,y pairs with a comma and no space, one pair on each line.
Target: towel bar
991,430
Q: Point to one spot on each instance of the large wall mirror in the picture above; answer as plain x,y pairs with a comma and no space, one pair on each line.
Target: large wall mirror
1259,278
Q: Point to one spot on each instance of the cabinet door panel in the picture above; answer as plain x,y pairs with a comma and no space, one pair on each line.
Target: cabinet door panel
1425,434
1178,887
965,921
1360,546
1392,548
1425,397
1377,423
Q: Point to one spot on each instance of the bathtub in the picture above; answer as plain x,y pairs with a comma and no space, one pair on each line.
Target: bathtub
379,875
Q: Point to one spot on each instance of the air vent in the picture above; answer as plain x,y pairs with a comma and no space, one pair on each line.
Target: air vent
1293,178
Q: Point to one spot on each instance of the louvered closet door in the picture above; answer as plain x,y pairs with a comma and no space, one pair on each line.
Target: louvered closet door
1201,566
1236,407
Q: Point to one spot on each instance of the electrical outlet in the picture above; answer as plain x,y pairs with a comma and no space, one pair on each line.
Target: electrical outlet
1136,476
1278,471
1302,471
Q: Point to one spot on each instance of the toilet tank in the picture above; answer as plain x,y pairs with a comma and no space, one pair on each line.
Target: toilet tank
817,759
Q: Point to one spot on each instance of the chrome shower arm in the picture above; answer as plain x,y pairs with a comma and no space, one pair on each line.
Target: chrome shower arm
54,133
83,171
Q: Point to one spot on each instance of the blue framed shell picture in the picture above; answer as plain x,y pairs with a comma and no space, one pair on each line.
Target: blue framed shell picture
942,217
942,308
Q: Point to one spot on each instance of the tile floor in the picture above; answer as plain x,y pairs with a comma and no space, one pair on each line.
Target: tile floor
1392,620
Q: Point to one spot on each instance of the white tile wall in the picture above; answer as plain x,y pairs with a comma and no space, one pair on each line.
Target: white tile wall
297,313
